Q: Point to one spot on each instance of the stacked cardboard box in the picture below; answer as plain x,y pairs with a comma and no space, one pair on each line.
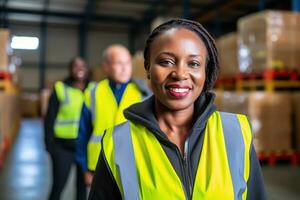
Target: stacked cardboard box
30,105
269,40
97,73
9,115
4,42
270,115
236,102
296,110
139,71
228,54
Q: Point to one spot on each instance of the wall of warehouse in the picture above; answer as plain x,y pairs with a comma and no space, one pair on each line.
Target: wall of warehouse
62,46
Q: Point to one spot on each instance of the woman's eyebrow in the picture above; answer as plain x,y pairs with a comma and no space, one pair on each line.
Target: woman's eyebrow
166,53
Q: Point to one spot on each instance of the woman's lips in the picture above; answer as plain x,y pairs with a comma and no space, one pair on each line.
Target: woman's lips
178,91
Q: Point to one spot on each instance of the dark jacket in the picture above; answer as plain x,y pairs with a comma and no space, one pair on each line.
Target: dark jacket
104,185
49,121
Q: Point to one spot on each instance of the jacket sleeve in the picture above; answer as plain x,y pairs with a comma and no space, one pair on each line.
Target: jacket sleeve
50,120
104,185
84,134
255,184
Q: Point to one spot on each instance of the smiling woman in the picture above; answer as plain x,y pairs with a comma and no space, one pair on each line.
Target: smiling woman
176,145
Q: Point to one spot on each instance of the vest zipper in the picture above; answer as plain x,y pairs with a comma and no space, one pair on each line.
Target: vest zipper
184,164
187,186
187,168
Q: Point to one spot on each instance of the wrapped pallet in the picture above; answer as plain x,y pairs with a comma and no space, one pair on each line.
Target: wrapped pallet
4,44
1,121
235,102
97,73
269,40
10,114
228,54
139,71
296,110
218,99
30,105
270,115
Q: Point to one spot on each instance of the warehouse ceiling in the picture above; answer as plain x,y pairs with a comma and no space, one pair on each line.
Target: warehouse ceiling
219,16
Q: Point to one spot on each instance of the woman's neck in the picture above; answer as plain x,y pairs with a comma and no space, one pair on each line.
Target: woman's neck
175,124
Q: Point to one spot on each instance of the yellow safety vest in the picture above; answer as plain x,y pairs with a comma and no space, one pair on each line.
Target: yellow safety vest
106,113
67,119
143,171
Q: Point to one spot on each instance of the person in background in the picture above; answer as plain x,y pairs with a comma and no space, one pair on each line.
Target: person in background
61,127
175,144
104,105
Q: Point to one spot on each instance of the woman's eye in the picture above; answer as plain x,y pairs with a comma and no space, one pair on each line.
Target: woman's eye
166,63
194,64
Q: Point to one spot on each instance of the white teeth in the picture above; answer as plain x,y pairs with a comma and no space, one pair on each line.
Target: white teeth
179,90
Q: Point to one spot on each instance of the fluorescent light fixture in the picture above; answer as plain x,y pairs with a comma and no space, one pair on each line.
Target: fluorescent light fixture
24,42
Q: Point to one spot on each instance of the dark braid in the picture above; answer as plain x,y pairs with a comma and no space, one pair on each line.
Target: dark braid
212,67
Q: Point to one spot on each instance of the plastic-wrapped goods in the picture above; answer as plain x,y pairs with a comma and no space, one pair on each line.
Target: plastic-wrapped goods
1,121
235,102
10,114
139,71
4,44
269,40
30,105
228,54
218,98
296,110
270,116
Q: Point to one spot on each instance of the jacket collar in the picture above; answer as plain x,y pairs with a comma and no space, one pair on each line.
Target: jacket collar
143,113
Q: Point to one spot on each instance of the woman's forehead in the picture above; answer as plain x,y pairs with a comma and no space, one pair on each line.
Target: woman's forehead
180,39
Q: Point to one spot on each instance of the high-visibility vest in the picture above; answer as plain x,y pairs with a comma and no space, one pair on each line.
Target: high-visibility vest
67,119
142,169
106,113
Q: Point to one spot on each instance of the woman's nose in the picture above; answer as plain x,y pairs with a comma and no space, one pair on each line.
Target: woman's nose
179,73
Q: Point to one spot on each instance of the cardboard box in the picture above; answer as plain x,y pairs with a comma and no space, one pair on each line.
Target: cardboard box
296,122
10,114
4,43
228,54
235,102
269,40
30,105
138,71
270,116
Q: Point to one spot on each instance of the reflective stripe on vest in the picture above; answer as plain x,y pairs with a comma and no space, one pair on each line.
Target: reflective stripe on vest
67,119
106,113
142,169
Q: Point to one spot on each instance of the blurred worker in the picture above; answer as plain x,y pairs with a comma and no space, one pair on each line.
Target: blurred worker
61,127
104,105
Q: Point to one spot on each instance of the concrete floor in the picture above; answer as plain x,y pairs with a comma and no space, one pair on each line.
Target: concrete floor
27,174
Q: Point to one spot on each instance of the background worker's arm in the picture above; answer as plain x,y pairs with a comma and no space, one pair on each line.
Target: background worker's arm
84,134
255,184
50,120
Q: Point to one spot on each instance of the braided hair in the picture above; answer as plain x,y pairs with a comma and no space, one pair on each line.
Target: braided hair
212,64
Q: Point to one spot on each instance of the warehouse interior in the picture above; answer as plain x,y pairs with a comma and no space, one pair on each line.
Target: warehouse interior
258,43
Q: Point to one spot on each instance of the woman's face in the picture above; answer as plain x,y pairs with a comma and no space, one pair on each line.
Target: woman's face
79,70
177,68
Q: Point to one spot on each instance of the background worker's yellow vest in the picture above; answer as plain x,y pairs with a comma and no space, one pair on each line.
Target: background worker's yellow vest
106,113
142,169
67,120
